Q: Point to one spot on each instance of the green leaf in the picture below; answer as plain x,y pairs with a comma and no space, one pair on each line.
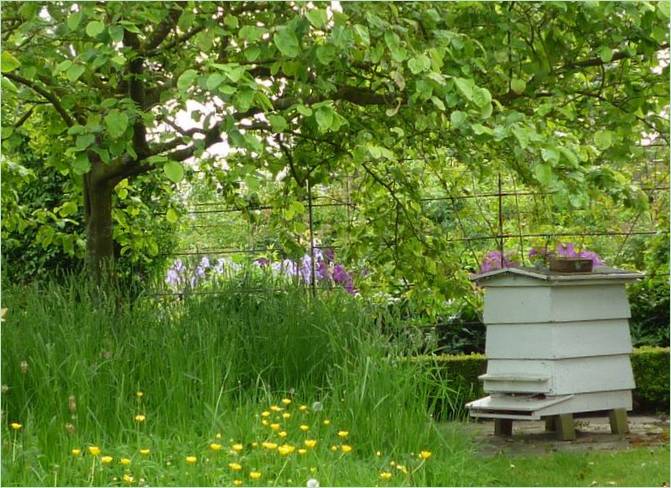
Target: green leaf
465,86
231,21
84,141
458,118
174,171
171,216
550,155
326,53
481,97
186,79
605,53
543,173
94,28
324,116
517,85
303,110
438,103
74,72
74,20
317,17
214,80
81,164
9,62
603,139
251,33
286,41
116,123
116,33
278,123
252,53
419,63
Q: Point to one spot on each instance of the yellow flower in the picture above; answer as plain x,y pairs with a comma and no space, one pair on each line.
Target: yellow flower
275,426
265,422
313,469
269,445
310,443
94,450
16,425
327,421
255,475
334,448
275,408
282,434
139,418
385,475
237,482
139,394
124,461
402,468
285,449
237,447
127,478
303,408
144,451
302,451
265,413
425,454
255,444
191,459
218,436
343,434
76,452
345,448
286,401
378,453
235,466
286,415
106,459
215,447
304,428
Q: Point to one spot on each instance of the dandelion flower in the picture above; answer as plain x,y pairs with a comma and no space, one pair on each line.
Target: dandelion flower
286,401
334,448
402,468
255,475
275,408
285,449
425,455
303,408
215,447
269,445
106,459
127,479
237,482
317,407
124,461
16,425
275,426
385,475
94,450
217,436
191,459
140,418
235,466
282,434
310,443
378,453
312,483
265,413
326,422
144,451
237,447
346,448
255,444
286,415
304,428
139,394
265,422
343,434
76,452
302,451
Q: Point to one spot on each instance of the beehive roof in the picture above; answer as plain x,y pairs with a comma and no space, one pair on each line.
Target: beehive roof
599,273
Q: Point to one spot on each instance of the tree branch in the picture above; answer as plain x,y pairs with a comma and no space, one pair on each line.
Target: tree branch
67,118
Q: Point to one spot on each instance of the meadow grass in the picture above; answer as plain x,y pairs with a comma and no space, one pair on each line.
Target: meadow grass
177,389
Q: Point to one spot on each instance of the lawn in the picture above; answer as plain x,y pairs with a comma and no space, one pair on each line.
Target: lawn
241,389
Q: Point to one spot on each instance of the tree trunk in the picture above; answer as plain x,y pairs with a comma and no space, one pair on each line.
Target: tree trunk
99,241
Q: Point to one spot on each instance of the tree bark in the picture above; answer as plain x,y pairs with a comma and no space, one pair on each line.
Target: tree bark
99,241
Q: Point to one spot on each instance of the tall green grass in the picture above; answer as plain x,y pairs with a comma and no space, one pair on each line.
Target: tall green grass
205,364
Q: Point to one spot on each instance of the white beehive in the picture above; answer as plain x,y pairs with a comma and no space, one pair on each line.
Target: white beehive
557,343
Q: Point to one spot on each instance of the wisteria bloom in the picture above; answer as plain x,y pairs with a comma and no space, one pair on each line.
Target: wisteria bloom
494,260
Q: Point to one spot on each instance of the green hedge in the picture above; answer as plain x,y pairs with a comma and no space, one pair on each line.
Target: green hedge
456,380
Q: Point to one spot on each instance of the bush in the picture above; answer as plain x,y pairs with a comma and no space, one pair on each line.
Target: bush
456,378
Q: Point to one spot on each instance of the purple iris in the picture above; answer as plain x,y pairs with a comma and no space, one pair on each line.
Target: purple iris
261,262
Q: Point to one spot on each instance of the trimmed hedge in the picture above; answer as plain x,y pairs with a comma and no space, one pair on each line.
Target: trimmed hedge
456,380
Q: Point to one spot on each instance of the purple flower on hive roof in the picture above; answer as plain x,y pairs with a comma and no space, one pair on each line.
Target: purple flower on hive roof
566,250
329,255
594,257
494,260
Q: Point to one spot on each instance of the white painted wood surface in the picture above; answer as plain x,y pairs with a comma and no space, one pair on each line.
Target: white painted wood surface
557,340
